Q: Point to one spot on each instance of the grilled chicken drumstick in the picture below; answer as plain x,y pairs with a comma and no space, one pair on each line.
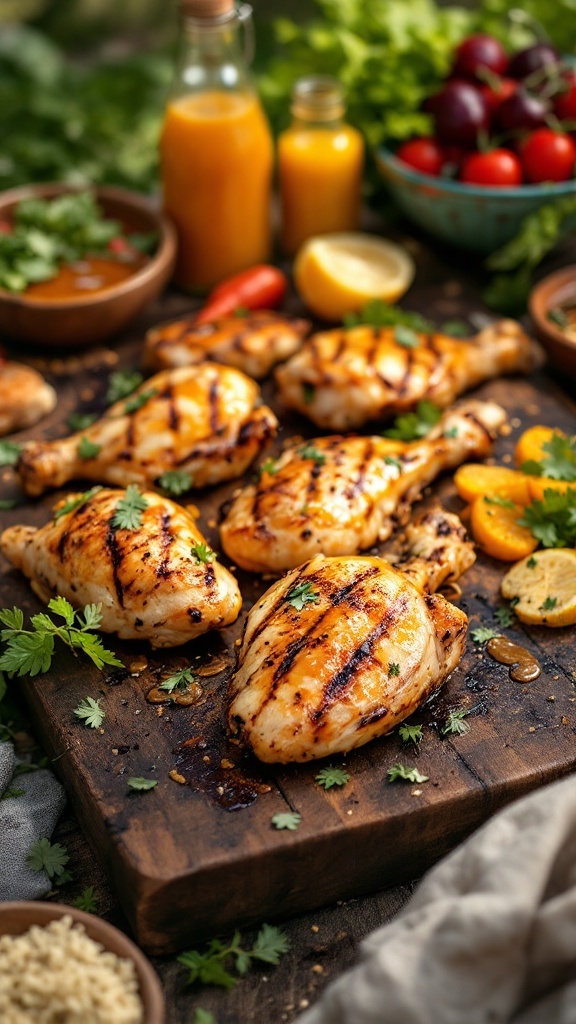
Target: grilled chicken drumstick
341,650
157,581
203,419
25,397
253,343
341,379
339,495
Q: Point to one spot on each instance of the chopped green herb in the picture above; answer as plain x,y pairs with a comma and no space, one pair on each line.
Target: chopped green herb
497,499
456,328
203,1017
308,393
401,771
455,723
505,617
269,466
8,503
548,604
406,337
179,681
393,668
241,311
332,776
286,820
553,520
12,793
212,967
308,451
90,712
9,453
133,404
140,785
391,461
483,633
532,562
129,509
30,652
122,383
46,856
411,734
378,313
559,463
81,420
87,901
175,481
87,449
412,425
301,595
558,316
202,553
72,503
451,432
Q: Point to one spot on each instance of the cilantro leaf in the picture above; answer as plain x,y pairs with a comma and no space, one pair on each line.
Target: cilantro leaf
532,562
548,604
505,617
553,520
75,501
81,420
211,967
140,400
308,451
90,712
8,503
378,313
301,595
46,856
483,633
411,734
175,481
401,771
393,668
271,943
202,553
286,820
455,723
497,499
129,509
203,1017
389,460
412,425
559,462
27,654
9,453
269,466
122,383
179,681
30,652
406,337
332,776
87,449
456,328
87,901
141,785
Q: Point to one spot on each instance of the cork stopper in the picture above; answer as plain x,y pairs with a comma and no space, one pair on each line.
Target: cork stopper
207,8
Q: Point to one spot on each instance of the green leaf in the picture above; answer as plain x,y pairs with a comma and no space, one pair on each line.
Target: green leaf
87,449
12,793
271,944
393,668
27,654
93,648
286,820
75,502
122,383
456,328
406,337
46,856
181,680
401,771
532,562
60,606
203,1017
308,393
378,313
559,462
141,785
8,503
92,616
202,553
129,509
90,712
412,425
497,499
455,723
13,618
269,466
9,453
175,481
87,901
140,400
483,633
389,460
308,451
505,617
301,595
411,734
81,420
548,604
332,776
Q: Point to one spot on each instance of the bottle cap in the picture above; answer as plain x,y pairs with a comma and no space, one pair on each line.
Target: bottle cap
207,8
317,98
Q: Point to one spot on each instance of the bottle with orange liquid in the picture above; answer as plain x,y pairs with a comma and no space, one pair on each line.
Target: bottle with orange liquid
216,149
320,162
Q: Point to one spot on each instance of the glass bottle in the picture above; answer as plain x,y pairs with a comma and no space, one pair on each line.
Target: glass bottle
320,162
216,149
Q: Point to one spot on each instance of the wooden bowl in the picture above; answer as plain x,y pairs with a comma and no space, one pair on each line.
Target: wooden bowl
555,290
87,319
17,918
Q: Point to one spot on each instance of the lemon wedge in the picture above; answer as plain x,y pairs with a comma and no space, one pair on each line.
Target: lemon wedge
545,586
340,273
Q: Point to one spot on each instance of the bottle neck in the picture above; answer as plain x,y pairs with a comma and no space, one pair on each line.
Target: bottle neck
300,123
211,56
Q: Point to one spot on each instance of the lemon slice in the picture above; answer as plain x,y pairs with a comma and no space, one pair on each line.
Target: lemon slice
545,585
338,274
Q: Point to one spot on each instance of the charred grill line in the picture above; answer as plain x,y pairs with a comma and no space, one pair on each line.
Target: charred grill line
214,411
403,386
166,539
116,557
173,415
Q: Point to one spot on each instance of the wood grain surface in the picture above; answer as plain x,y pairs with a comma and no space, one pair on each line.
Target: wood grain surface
193,860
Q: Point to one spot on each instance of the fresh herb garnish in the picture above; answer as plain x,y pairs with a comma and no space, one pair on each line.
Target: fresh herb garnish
406,337
269,466
301,595
175,481
505,617
558,316
286,820
308,393
456,328
213,966
87,449
497,499
411,734
12,793
71,504
9,453
181,680
90,712
81,420
122,383
401,771
548,604
332,776
391,461
87,901
202,553
412,425
378,313
30,651
129,509
308,451
455,723
451,432
8,503
202,1016
532,562
559,463
49,857
483,633
140,785
553,520
133,404
393,668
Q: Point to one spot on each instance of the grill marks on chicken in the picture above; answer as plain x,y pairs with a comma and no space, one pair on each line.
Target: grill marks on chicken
252,343
343,378
149,581
205,420
339,495
25,397
368,646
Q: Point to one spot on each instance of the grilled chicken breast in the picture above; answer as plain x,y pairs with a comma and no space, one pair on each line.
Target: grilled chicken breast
341,379
205,420
339,495
252,343
25,397
151,581
341,650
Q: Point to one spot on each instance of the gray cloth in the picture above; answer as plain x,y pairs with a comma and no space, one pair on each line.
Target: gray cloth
24,819
488,937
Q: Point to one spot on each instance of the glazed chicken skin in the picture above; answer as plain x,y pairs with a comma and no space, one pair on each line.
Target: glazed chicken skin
340,495
205,420
343,378
341,650
25,397
252,343
150,581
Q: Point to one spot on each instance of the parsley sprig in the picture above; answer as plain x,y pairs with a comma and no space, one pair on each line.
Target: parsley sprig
401,771
411,734
181,680
455,723
175,481
482,634
553,520
122,383
129,509
75,501
90,712
559,462
9,453
378,313
87,449
214,966
202,553
141,785
301,595
309,451
30,651
412,425
133,404
288,820
87,901
332,776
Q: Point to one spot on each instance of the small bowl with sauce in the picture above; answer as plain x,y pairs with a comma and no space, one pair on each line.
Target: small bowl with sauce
95,296
552,306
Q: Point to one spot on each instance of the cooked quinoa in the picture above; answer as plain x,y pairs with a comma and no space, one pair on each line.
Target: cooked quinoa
58,975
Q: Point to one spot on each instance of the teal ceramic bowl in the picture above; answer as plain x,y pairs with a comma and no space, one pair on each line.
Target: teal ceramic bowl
471,217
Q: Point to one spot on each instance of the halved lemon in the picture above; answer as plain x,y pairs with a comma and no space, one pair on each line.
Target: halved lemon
340,273
545,586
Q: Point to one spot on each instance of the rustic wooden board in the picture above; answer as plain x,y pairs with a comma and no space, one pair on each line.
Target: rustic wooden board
193,860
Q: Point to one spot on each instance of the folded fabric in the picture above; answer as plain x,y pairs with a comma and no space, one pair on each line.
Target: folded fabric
489,936
30,805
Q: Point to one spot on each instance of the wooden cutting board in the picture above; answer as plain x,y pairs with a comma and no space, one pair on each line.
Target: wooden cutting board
196,858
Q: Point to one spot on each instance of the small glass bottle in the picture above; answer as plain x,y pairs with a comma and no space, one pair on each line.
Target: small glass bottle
216,149
320,163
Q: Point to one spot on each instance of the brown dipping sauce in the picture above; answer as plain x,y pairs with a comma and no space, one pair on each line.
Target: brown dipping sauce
524,667
85,277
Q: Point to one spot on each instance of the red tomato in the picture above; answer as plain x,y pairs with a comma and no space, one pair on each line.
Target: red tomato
565,102
5,227
119,245
260,287
495,95
548,156
423,154
499,167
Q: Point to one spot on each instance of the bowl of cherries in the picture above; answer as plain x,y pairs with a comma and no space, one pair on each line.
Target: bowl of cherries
503,144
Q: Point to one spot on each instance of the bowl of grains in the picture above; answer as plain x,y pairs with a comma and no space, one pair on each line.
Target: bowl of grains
59,965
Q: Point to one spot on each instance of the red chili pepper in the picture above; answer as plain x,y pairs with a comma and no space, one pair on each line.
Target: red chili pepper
260,287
